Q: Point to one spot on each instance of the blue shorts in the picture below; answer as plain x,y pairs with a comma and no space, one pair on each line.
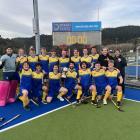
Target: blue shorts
85,90
53,91
70,91
100,90
113,88
37,92
8,76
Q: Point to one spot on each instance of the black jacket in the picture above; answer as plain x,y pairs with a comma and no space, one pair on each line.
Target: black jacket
103,59
120,64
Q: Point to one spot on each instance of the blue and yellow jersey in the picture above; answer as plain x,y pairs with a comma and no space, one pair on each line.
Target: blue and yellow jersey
52,61
112,77
87,59
76,60
54,80
94,58
37,83
44,62
32,62
85,78
64,62
38,76
20,60
26,79
71,79
99,78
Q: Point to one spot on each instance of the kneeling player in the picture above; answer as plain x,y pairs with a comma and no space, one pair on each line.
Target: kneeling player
99,80
71,80
112,75
54,85
84,81
38,86
25,85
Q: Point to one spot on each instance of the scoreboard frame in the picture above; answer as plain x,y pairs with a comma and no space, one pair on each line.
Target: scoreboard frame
76,32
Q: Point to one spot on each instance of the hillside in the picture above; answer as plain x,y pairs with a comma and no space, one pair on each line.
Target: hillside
120,34
124,34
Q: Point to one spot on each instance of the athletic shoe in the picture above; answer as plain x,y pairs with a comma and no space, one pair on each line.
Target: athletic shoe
44,102
27,108
93,102
1,119
77,102
60,98
104,101
98,103
84,102
119,103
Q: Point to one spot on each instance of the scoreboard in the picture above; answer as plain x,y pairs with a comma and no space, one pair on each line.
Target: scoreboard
76,32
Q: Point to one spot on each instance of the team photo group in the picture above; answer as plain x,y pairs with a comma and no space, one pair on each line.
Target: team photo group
95,76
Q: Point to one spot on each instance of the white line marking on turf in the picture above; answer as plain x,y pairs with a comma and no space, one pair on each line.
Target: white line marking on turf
34,118
131,100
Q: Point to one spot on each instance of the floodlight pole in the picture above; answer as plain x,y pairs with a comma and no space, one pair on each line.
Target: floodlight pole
137,62
36,26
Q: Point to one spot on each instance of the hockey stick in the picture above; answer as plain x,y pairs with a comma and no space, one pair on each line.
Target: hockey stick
12,119
114,103
34,102
72,104
84,99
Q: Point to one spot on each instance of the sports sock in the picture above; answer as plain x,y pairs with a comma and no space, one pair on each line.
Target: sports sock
107,94
25,100
44,96
93,95
119,96
79,93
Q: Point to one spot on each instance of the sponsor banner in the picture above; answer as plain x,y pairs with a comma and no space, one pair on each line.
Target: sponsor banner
76,26
86,26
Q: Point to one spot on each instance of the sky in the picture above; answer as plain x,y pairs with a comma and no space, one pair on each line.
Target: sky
16,15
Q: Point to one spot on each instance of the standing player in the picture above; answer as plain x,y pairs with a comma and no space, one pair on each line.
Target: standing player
104,58
76,59
25,85
94,55
44,61
55,85
71,80
8,63
21,58
120,63
112,75
32,58
53,60
86,58
64,60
